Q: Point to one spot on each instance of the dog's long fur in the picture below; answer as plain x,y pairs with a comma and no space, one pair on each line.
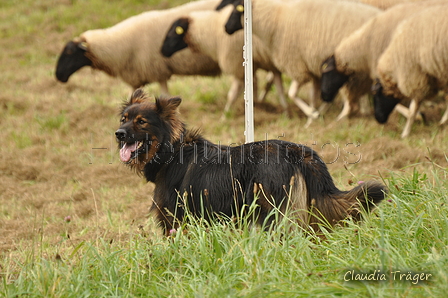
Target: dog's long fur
190,171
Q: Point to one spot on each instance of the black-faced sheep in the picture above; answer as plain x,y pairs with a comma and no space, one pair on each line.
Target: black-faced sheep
297,42
130,50
357,55
414,65
203,32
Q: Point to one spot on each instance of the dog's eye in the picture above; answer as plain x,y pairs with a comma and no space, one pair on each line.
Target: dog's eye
123,120
141,121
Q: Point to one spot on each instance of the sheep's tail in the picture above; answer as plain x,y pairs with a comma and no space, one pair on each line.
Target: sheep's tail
333,208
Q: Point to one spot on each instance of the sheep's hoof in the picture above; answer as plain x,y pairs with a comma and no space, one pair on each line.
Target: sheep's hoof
314,114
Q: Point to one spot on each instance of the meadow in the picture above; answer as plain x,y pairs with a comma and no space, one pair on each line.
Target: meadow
74,221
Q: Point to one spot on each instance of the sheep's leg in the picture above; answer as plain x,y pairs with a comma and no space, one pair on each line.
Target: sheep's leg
345,110
309,111
277,78
444,117
364,105
293,89
324,108
405,112
413,109
164,87
314,98
235,90
269,81
402,110
350,103
315,93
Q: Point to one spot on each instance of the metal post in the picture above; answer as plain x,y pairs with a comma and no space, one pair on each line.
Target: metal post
248,73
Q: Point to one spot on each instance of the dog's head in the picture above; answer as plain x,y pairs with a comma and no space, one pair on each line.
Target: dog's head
146,127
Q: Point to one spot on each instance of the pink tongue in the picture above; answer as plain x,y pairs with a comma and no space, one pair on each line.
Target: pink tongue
126,151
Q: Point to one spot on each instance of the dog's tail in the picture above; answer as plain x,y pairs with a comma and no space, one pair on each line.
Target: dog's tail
330,209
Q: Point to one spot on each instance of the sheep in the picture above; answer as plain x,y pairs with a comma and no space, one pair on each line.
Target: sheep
301,34
356,57
414,65
130,50
203,32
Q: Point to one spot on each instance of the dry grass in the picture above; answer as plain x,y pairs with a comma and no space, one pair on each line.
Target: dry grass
50,169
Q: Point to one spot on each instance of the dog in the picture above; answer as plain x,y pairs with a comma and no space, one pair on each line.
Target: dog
191,174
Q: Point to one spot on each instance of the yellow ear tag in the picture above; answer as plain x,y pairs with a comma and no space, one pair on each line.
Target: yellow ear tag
179,30
324,66
239,8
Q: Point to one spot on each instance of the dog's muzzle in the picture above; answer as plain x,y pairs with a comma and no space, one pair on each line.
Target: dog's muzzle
120,134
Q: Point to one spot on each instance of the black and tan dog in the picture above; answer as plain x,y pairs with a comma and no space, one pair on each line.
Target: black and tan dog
191,172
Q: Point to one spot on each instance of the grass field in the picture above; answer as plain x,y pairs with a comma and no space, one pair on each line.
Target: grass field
74,221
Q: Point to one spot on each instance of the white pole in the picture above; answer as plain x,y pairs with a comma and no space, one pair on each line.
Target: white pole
248,72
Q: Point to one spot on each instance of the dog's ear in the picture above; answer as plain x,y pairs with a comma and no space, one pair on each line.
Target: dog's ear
166,107
175,101
138,96
167,110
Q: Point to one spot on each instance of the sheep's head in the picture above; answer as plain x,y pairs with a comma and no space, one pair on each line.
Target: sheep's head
72,58
174,39
234,22
332,80
382,103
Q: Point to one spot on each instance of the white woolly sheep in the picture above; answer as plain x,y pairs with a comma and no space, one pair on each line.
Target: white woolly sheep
414,65
301,34
357,55
130,50
203,32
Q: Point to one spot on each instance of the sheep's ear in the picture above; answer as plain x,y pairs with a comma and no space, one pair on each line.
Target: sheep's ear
376,87
329,64
83,46
181,26
81,43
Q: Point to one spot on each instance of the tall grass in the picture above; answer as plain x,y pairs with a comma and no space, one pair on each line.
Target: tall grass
407,233
50,171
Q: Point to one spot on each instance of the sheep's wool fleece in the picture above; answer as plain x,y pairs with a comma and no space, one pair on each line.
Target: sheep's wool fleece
131,48
415,63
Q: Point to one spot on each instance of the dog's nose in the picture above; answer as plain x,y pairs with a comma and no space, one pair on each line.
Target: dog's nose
120,133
